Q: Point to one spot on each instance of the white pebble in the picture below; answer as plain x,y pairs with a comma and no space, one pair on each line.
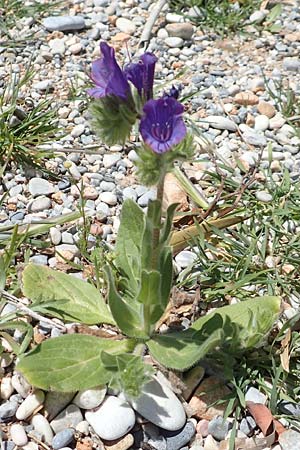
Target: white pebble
263,196
21,385
42,426
6,388
30,404
18,434
109,198
90,398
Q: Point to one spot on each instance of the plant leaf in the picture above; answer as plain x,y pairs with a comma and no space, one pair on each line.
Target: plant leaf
80,301
129,242
71,362
181,350
254,317
128,315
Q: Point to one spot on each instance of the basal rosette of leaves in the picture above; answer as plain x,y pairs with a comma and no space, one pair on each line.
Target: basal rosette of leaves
139,282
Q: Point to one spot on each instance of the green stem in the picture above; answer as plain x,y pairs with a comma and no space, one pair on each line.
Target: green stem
156,231
155,243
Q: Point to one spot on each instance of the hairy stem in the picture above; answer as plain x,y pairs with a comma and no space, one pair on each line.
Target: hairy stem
156,231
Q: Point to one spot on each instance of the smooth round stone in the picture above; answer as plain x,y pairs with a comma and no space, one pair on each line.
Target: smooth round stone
289,440
176,440
109,198
185,258
111,159
39,259
145,198
8,410
90,398
42,426
63,23
257,16
69,417
130,193
18,434
125,25
158,404
219,428
62,439
263,196
254,395
252,138
39,204
55,236
39,186
291,64
78,130
220,123
57,46
44,85
174,42
6,388
261,123
182,30
113,419
174,18
30,404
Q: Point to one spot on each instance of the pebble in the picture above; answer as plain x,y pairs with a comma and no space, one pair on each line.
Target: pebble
64,23
263,196
6,388
291,64
261,123
246,98
62,439
111,160
185,258
8,410
55,235
78,130
276,122
220,123
174,42
69,417
255,139
289,440
266,109
121,444
183,30
45,85
129,192
145,198
176,440
257,17
41,203
18,435
20,384
289,408
125,25
58,48
90,398
219,428
30,404
254,395
209,391
42,426
109,198
158,404
247,425
113,419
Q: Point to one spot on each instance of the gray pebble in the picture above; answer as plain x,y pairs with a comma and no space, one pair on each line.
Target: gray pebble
64,23
129,192
289,440
218,428
69,417
8,410
174,42
291,64
63,438
44,85
247,425
254,395
177,439
145,198
39,259
8,445
289,408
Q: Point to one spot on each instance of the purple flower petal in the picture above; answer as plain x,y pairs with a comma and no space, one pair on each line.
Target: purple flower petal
141,74
108,76
162,126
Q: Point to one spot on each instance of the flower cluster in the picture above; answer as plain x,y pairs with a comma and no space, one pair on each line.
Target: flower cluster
161,124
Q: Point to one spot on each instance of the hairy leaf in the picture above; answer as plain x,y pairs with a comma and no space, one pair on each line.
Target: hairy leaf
254,317
70,363
128,315
66,297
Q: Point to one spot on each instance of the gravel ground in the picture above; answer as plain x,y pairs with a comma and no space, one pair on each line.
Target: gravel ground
230,80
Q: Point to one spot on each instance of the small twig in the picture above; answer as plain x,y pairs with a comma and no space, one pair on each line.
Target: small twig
145,37
15,301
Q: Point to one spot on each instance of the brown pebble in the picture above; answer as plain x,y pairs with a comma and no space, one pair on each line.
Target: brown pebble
246,98
120,444
202,427
211,390
266,109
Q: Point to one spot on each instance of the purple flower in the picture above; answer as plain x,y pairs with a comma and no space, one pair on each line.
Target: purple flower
162,125
141,74
108,76
174,91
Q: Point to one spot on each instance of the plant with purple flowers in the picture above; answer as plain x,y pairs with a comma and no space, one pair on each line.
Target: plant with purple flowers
140,281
